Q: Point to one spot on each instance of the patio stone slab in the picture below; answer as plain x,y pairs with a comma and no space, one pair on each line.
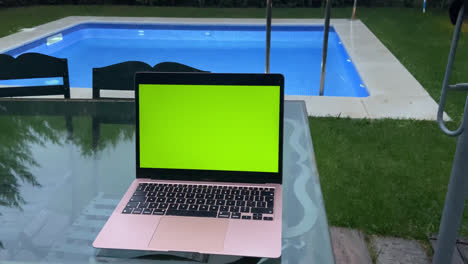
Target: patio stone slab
388,80
332,106
391,250
349,246
402,107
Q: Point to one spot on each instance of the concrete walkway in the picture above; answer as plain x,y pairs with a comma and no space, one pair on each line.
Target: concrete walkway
352,247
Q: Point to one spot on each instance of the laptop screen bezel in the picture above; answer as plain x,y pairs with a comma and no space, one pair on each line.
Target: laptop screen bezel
210,79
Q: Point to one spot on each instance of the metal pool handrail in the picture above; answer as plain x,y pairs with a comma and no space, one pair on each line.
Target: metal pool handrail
325,47
445,85
268,36
457,190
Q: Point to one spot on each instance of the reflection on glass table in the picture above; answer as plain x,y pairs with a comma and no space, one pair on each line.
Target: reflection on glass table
64,166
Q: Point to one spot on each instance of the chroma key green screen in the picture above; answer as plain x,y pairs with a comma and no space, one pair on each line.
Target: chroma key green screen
209,127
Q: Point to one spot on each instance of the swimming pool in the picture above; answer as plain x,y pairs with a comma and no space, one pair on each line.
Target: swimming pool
296,52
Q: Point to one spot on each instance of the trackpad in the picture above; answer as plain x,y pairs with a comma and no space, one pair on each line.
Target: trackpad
190,234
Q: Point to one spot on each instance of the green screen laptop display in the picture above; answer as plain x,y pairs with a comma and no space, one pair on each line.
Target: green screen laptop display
209,127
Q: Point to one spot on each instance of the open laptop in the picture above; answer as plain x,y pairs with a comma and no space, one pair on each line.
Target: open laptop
208,166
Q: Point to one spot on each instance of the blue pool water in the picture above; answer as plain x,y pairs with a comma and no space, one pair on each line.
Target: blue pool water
296,52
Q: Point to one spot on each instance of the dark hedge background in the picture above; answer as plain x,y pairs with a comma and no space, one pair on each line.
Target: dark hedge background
231,3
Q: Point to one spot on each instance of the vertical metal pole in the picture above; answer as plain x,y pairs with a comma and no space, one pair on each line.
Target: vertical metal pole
325,47
353,16
458,184
268,36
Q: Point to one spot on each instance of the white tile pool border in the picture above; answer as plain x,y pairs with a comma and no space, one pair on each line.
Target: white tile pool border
394,92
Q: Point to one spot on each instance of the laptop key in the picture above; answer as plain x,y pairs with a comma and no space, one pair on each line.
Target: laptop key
264,193
127,210
256,210
190,201
224,208
161,200
159,211
231,203
269,199
214,208
270,204
170,200
220,202
247,217
245,210
180,195
147,211
200,201
132,204
138,199
143,205
223,215
139,193
209,196
250,203
234,209
239,197
137,211
183,206
173,206
229,197
170,195
191,213
181,200
257,217
235,215
240,203
193,207
200,196
261,204
153,205
151,199
210,202
163,205
203,208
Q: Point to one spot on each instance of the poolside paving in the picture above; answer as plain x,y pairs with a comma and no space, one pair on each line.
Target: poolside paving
394,92
392,250
350,246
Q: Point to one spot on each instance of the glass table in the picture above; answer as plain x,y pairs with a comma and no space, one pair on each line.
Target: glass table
65,164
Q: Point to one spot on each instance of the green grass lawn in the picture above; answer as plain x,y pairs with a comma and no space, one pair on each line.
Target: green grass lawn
385,177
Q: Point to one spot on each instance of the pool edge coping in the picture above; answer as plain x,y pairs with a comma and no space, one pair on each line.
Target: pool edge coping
393,91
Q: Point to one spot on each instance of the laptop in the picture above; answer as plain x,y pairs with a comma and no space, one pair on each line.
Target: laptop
208,166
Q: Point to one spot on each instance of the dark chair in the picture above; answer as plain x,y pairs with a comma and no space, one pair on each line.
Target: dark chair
34,65
121,76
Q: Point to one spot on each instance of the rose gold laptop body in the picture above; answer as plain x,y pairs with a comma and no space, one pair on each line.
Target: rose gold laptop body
206,235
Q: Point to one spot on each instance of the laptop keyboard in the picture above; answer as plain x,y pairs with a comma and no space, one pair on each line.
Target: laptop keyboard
216,201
